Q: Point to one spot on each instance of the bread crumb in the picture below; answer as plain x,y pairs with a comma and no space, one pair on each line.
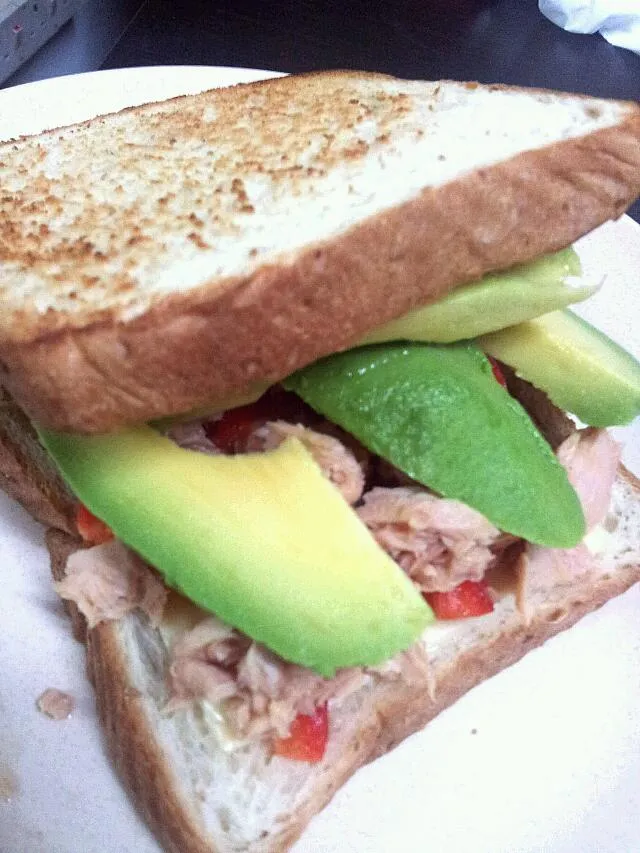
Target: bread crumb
56,704
8,785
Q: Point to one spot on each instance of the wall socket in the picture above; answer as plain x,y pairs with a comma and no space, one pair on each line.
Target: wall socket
24,27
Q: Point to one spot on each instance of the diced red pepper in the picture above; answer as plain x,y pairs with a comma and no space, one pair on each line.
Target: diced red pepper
497,372
92,529
471,598
307,740
231,432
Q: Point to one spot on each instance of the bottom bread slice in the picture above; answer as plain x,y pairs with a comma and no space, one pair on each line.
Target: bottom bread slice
199,797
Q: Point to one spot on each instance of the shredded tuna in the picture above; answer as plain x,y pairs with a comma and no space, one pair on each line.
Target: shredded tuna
540,570
411,666
55,704
591,457
554,567
337,463
202,663
192,436
364,457
438,542
109,581
259,693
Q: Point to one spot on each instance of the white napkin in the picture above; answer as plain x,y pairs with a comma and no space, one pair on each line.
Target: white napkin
617,20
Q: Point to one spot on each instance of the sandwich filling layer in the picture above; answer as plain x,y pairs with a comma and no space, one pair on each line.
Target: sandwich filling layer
441,544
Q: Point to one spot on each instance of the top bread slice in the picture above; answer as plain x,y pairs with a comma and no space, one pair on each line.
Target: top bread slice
160,258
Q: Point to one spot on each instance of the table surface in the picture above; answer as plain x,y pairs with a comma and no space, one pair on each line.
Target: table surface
506,41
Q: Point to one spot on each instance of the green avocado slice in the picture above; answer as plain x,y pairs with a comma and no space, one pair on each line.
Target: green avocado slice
497,300
494,302
437,413
581,369
262,540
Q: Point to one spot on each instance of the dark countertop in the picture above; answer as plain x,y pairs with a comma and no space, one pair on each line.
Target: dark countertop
505,41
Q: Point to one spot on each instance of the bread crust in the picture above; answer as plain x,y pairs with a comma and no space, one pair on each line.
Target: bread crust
124,723
26,473
135,750
194,348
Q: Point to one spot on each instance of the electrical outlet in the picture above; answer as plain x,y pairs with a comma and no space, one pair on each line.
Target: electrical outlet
24,27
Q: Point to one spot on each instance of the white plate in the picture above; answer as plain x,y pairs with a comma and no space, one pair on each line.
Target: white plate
545,756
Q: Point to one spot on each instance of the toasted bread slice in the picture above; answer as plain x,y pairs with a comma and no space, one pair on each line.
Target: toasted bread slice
27,473
157,259
199,798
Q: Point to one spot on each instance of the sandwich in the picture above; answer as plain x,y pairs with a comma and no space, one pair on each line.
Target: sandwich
286,373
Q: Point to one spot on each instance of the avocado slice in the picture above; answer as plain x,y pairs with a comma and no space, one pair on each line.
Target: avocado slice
437,413
497,300
263,540
579,367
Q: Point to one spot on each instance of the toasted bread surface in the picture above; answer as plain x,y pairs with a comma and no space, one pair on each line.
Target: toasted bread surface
199,798
188,249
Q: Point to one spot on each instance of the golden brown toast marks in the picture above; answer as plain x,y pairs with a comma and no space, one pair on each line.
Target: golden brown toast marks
253,230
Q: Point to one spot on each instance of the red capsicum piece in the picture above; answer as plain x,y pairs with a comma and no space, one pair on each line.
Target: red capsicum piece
471,598
231,432
92,529
307,740
497,371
